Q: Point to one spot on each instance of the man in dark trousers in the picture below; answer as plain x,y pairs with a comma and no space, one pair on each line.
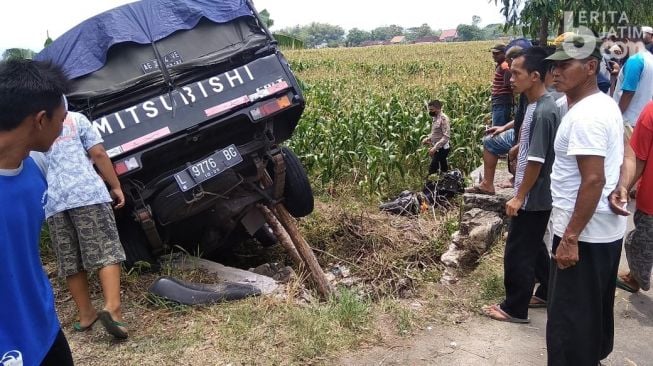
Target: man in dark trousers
589,150
526,254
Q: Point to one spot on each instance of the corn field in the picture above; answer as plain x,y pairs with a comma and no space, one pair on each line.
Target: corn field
366,110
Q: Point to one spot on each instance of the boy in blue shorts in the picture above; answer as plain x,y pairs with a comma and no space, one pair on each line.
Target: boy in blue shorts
32,110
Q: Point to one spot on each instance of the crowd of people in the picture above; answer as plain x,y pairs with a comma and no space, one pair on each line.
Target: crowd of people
580,151
577,148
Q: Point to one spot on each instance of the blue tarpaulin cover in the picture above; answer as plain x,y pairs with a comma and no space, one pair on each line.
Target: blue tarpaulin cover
83,49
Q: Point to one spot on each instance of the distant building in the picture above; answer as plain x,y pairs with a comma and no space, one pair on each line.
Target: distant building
449,35
398,40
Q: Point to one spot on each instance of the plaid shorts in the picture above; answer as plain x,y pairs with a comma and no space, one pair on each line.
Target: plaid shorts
85,239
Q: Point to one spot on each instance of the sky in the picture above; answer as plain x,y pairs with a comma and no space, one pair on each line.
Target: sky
26,23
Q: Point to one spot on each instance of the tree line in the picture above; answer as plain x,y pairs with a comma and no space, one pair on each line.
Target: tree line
323,34
542,18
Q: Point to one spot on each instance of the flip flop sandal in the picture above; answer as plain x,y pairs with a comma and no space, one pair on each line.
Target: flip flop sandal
506,317
624,286
77,326
112,327
536,303
478,190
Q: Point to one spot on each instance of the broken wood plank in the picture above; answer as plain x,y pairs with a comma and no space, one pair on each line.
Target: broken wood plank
282,235
324,287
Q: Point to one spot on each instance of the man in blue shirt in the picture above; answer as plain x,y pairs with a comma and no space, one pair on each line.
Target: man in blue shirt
32,110
634,88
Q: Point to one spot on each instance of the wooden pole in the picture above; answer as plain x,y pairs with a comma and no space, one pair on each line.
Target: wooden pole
282,235
324,287
296,246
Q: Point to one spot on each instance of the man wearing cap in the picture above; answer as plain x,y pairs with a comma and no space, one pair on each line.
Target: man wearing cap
587,234
634,88
647,35
502,97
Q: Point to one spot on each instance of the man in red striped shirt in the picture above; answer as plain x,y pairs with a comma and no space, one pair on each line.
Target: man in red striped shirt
502,95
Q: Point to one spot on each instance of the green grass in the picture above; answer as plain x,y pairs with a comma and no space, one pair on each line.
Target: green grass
404,319
290,332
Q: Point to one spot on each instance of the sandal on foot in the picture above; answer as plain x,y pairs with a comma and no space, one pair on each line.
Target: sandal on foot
478,190
491,311
622,284
536,303
78,327
115,328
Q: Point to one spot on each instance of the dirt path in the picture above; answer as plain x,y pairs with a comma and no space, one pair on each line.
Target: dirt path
481,341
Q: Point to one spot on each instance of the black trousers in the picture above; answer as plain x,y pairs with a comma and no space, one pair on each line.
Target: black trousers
439,162
580,326
525,259
59,354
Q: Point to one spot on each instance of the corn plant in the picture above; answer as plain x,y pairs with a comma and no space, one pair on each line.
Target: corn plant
366,110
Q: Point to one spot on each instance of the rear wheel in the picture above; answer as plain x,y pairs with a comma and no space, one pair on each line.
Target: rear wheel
297,190
134,242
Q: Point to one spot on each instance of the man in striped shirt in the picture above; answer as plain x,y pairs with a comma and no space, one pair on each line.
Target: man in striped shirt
526,256
502,95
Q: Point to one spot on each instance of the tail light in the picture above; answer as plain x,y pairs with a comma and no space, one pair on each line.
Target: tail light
126,165
270,107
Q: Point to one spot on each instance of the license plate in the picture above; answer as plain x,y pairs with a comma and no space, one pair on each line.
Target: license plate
208,168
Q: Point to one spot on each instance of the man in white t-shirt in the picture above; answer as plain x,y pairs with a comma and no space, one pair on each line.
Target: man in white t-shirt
634,87
587,234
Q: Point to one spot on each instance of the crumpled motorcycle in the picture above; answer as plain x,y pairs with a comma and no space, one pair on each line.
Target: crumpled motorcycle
449,185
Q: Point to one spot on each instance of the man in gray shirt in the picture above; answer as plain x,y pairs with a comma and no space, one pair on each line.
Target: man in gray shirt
526,256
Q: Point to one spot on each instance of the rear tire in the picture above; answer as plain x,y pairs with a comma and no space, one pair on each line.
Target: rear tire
297,190
135,244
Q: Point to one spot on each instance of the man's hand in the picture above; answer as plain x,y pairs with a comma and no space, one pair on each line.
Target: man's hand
615,68
513,206
426,140
566,254
618,200
494,130
118,197
432,151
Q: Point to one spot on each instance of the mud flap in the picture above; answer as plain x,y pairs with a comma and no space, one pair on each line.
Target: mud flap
189,293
